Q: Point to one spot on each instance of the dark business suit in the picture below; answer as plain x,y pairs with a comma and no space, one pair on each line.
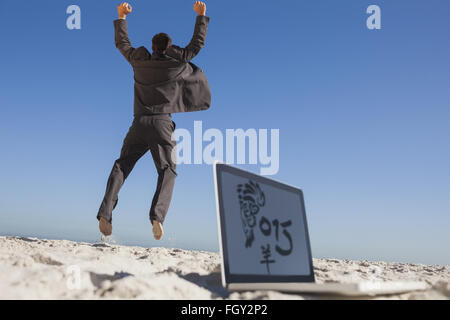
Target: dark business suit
164,84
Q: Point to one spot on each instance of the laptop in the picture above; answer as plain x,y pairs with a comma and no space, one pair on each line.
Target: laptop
264,240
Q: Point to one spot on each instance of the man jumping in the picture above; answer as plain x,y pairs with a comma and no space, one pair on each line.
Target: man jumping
165,82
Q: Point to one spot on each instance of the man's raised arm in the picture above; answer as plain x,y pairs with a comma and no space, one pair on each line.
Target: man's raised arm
121,31
198,39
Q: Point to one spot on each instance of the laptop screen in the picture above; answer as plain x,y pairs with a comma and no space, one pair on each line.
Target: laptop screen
263,228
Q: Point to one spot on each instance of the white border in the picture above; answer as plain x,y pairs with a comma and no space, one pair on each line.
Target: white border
216,187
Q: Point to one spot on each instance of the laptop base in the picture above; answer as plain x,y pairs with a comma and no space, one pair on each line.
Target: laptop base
342,289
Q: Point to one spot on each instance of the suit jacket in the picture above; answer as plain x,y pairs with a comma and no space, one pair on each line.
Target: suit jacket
166,83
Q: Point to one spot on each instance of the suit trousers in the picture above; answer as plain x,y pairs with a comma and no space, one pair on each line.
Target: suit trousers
147,132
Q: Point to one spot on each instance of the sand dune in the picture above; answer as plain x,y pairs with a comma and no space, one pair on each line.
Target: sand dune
33,268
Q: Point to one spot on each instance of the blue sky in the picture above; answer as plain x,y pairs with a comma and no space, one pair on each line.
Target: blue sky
363,116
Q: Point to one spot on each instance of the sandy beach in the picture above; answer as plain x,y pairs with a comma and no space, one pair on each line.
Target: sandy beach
33,268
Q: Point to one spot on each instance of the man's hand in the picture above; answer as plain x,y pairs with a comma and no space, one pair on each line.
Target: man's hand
200,8
124,9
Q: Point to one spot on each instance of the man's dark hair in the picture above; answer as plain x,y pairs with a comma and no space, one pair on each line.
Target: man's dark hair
161,42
